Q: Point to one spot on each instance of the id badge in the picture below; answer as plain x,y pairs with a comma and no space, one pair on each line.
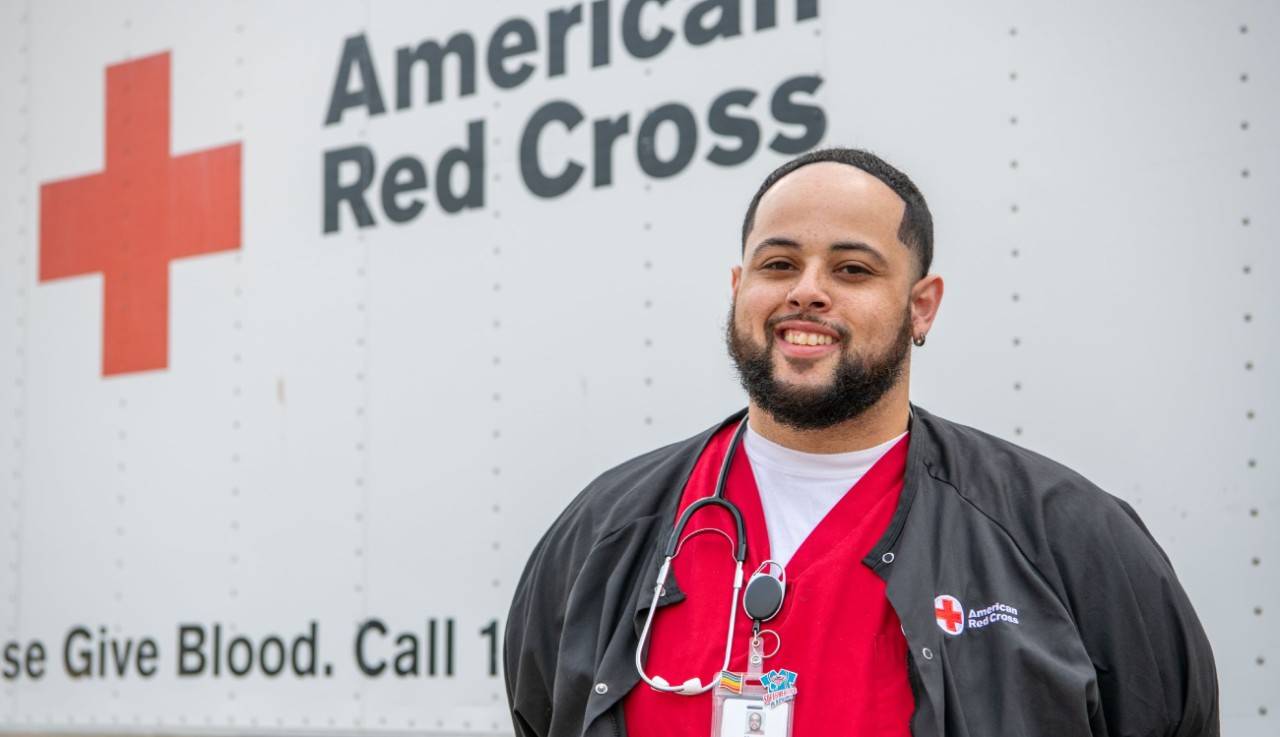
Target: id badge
752,704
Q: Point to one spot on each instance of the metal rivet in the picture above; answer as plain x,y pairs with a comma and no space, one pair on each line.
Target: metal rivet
602,688
887,557
927,653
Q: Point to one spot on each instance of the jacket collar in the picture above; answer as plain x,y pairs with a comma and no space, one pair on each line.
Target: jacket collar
920,458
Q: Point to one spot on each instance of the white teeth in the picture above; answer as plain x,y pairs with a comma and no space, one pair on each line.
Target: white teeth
798,337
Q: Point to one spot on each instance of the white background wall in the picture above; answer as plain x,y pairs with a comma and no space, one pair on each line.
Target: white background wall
380,422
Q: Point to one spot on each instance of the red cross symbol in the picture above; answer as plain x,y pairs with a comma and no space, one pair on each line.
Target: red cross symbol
145,209
949,613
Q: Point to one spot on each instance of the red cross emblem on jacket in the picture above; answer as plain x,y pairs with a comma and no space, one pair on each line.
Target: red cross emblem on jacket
143,210
949,613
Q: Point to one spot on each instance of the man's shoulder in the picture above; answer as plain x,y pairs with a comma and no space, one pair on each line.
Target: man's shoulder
639,487
1013,485
1064,524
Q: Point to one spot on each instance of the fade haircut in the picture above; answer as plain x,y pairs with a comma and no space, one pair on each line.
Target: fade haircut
916,228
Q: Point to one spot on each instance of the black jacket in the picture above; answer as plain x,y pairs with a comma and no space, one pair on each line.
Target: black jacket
1105,642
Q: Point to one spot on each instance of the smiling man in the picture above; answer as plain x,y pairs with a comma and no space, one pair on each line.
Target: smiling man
905,574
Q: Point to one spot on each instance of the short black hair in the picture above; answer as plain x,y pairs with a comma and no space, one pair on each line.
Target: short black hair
916,229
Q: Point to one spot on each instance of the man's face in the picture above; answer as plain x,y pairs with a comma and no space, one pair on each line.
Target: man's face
821,317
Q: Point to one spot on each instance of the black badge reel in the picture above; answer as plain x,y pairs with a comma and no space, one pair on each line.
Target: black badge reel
762,601
765,589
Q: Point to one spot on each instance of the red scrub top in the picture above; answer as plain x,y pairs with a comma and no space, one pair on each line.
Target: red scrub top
838,632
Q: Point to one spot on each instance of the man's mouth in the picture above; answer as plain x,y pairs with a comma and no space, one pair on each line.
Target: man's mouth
803,339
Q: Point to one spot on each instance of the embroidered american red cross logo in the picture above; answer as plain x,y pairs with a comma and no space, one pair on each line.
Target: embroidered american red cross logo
949,614
145,209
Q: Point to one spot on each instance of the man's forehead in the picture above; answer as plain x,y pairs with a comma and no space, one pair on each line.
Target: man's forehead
831,193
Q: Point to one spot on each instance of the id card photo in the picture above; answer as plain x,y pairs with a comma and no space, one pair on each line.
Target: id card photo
746,717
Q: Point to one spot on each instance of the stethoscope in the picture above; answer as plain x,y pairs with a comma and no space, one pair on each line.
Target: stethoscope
765,589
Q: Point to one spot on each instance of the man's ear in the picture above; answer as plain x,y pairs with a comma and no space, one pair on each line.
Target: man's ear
926,298
735,278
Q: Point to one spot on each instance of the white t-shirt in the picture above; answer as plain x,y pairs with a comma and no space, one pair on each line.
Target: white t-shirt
797,489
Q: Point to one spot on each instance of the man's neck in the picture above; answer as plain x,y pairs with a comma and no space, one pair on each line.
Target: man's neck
882,422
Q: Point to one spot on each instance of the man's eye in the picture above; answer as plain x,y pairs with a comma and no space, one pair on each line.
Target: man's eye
854,269
777,265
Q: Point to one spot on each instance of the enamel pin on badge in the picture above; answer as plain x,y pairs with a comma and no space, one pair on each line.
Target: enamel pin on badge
779,687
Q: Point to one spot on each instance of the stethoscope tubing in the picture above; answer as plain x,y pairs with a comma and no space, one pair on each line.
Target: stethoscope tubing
695,686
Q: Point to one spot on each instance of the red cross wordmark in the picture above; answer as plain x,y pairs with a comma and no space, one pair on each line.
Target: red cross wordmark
949,613
145,209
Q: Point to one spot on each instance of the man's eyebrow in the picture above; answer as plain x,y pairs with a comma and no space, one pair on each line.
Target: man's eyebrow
861,247
837,246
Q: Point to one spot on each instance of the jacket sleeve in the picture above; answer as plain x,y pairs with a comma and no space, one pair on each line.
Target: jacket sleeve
528,667
535,623
1154,666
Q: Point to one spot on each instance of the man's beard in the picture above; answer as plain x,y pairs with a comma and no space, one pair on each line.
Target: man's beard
858,383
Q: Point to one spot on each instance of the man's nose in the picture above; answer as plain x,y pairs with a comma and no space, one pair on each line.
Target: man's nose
809,293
